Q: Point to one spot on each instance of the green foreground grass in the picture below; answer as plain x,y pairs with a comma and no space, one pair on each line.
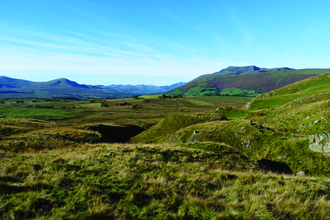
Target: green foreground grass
196,160
134,181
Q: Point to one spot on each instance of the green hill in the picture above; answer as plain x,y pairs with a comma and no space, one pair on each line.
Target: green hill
255,162
247,80
289,124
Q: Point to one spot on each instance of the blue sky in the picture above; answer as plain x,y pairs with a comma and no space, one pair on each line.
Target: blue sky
158,42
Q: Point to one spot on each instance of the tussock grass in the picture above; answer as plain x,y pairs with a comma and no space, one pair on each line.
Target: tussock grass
151,181
29,134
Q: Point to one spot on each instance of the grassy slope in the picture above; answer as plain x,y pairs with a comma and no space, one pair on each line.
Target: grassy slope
290,114
152,181
46,170
168,126
247,83
295,107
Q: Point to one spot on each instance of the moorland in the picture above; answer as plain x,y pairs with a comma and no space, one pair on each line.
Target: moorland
203,157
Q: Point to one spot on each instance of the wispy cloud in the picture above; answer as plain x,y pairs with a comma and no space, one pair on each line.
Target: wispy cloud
96,52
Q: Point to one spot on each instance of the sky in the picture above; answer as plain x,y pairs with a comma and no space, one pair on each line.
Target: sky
158,42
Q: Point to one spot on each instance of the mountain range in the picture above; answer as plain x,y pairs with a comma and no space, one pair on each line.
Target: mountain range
246,80
18,88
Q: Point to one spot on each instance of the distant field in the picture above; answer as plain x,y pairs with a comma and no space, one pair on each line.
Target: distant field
148,109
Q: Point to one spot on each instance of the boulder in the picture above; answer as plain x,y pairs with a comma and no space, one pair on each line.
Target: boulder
320,143
247,143
300,173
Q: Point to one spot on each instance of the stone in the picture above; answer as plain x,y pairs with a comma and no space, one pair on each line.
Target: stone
300,173
317,121
193,138
281,157
247,143
195,132
261,126
239,131
110,154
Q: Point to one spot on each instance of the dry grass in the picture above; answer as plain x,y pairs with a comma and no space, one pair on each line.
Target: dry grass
150,181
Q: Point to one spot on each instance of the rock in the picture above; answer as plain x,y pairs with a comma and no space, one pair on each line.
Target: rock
247,143
317,121
281,157
273,166
319,143
300,173
311,138
240,131
110,154
193,138
261,126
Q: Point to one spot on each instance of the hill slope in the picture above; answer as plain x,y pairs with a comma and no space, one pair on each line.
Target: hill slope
290,125
245,80
17,88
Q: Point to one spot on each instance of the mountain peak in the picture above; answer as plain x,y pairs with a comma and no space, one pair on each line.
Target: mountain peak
238,69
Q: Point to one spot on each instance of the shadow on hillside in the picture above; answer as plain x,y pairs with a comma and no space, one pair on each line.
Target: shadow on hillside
273,166
115,134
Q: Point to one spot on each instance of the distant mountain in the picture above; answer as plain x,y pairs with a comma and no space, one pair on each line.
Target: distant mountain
143,89
246,80
18,88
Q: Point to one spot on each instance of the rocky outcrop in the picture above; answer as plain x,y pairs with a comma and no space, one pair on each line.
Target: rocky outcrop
247,144
320,143
193,137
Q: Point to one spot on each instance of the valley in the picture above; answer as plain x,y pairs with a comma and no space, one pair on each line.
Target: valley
203,157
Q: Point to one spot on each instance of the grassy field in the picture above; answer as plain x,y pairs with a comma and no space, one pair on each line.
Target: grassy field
197,157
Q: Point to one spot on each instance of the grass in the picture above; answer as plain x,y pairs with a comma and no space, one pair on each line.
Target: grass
198,158
157,181
237,91
168,126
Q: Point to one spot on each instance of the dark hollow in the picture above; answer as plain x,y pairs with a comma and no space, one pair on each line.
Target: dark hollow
114,134
273,166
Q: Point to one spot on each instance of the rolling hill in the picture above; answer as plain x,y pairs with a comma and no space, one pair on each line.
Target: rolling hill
18,88
246,80
267,160
290,124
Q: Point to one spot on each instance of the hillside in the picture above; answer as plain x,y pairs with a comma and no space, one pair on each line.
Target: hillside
206,158
288,125
247,80
17,88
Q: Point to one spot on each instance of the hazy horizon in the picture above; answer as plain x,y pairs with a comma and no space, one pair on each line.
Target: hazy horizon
159,42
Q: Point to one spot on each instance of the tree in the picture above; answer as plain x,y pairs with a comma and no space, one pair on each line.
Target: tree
135,97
